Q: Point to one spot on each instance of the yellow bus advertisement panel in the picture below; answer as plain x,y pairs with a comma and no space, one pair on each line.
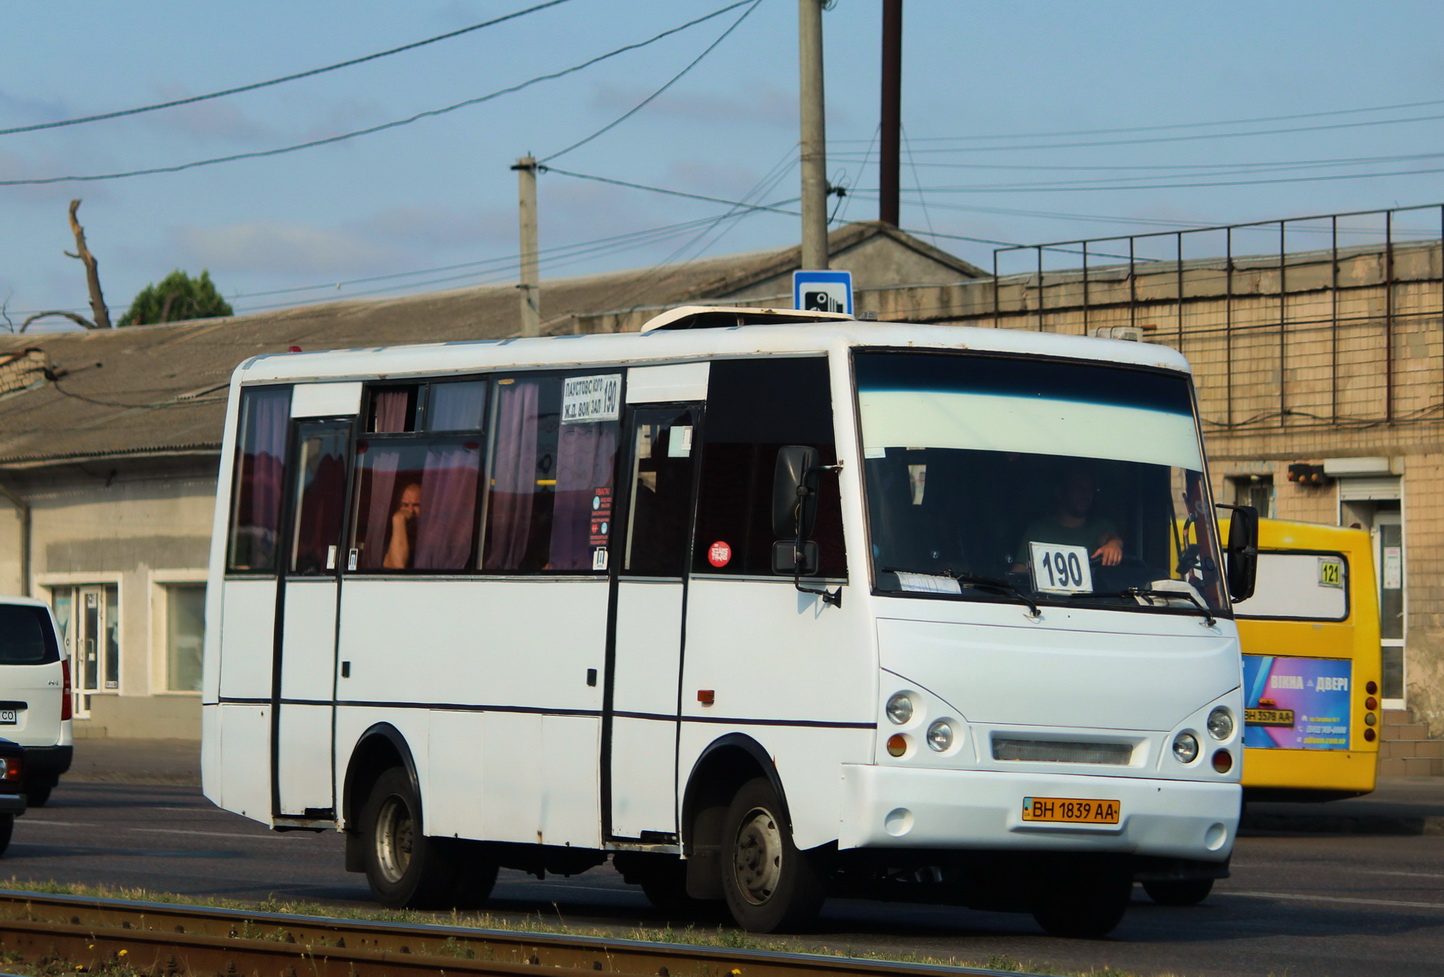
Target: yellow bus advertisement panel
1311,670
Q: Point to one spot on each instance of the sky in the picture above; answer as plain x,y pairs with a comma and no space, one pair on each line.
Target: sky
669,132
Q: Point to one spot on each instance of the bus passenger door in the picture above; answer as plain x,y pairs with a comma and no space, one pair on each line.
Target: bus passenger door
303,686
650,555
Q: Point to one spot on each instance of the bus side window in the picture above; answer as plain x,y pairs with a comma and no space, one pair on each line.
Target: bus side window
256,489
418,490
416,503
754,407
320,497
545,473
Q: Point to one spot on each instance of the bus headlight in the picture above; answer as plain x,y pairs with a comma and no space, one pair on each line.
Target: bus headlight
1220,723
900,708
1185,748
940,736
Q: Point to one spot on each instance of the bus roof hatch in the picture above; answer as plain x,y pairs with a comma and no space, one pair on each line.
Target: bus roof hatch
725,317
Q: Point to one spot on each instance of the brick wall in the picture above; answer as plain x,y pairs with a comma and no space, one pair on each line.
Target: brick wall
1298,360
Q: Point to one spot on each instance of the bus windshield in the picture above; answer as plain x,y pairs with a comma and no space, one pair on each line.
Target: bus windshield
1041,481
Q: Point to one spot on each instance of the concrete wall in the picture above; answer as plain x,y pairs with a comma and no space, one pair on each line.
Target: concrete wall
139,529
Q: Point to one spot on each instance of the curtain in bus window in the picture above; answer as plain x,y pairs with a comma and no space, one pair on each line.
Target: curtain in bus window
456,406
445,526
390,410
379,470
514,475
585,456
256,512
322,501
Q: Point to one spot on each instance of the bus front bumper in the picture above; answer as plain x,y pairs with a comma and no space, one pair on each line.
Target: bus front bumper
895,807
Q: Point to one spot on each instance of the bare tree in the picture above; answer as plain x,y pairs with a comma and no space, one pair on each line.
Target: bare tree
92,280
92,270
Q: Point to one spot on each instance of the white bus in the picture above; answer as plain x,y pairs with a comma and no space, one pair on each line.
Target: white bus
761,605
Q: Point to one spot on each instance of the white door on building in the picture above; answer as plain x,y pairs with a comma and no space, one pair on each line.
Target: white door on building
1388,533
90,625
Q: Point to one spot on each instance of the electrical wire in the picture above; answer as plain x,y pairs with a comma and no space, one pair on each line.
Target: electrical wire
774,208
1178,125
1075,187
260,154
1175,139
674,79
1196,167
121,113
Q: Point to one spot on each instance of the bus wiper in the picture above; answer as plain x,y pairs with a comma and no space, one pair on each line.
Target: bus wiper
1165,594
1000,585
978,580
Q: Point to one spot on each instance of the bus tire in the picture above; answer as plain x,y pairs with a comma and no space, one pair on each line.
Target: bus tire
665,886
768,884
7,828
405,869
1178,892
1083,899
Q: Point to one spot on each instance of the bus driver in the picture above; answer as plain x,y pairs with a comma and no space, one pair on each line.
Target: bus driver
1074,523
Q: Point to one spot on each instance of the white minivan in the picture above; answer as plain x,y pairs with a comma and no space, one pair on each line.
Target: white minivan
35,700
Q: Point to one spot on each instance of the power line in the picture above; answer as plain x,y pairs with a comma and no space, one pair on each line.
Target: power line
278,81
1175,125
1171,139
1079,187
675,193
1199,167
510,90
672,81
559,254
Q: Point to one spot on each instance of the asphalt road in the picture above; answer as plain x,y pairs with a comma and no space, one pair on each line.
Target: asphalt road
1364,897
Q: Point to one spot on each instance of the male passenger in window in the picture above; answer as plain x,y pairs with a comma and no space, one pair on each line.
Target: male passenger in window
1074,523
403,529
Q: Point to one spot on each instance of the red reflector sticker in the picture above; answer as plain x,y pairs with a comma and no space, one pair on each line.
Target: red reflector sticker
719,554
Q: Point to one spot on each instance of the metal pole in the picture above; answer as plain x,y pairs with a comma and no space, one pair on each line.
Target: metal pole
530,274
1283,318
1180,291
813,156
1388,315
1334,315
1132,285
1040,289
1228,320
891,114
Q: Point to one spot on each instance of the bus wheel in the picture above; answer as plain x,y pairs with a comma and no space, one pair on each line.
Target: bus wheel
7,828
1084,899
1178,892
404,868
769,885
665,886
476,870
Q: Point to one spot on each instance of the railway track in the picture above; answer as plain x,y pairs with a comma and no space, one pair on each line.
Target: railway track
165,939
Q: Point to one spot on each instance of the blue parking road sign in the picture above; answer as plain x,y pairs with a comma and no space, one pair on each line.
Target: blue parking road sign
822,291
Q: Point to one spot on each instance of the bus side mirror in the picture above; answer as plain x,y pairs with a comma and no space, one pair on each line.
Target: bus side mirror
1242,551
794,492
794,512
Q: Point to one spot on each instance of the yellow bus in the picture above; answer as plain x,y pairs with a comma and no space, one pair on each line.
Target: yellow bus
1311,666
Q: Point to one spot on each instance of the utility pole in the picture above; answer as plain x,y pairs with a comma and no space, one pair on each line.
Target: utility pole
891,114
813,155
530,275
